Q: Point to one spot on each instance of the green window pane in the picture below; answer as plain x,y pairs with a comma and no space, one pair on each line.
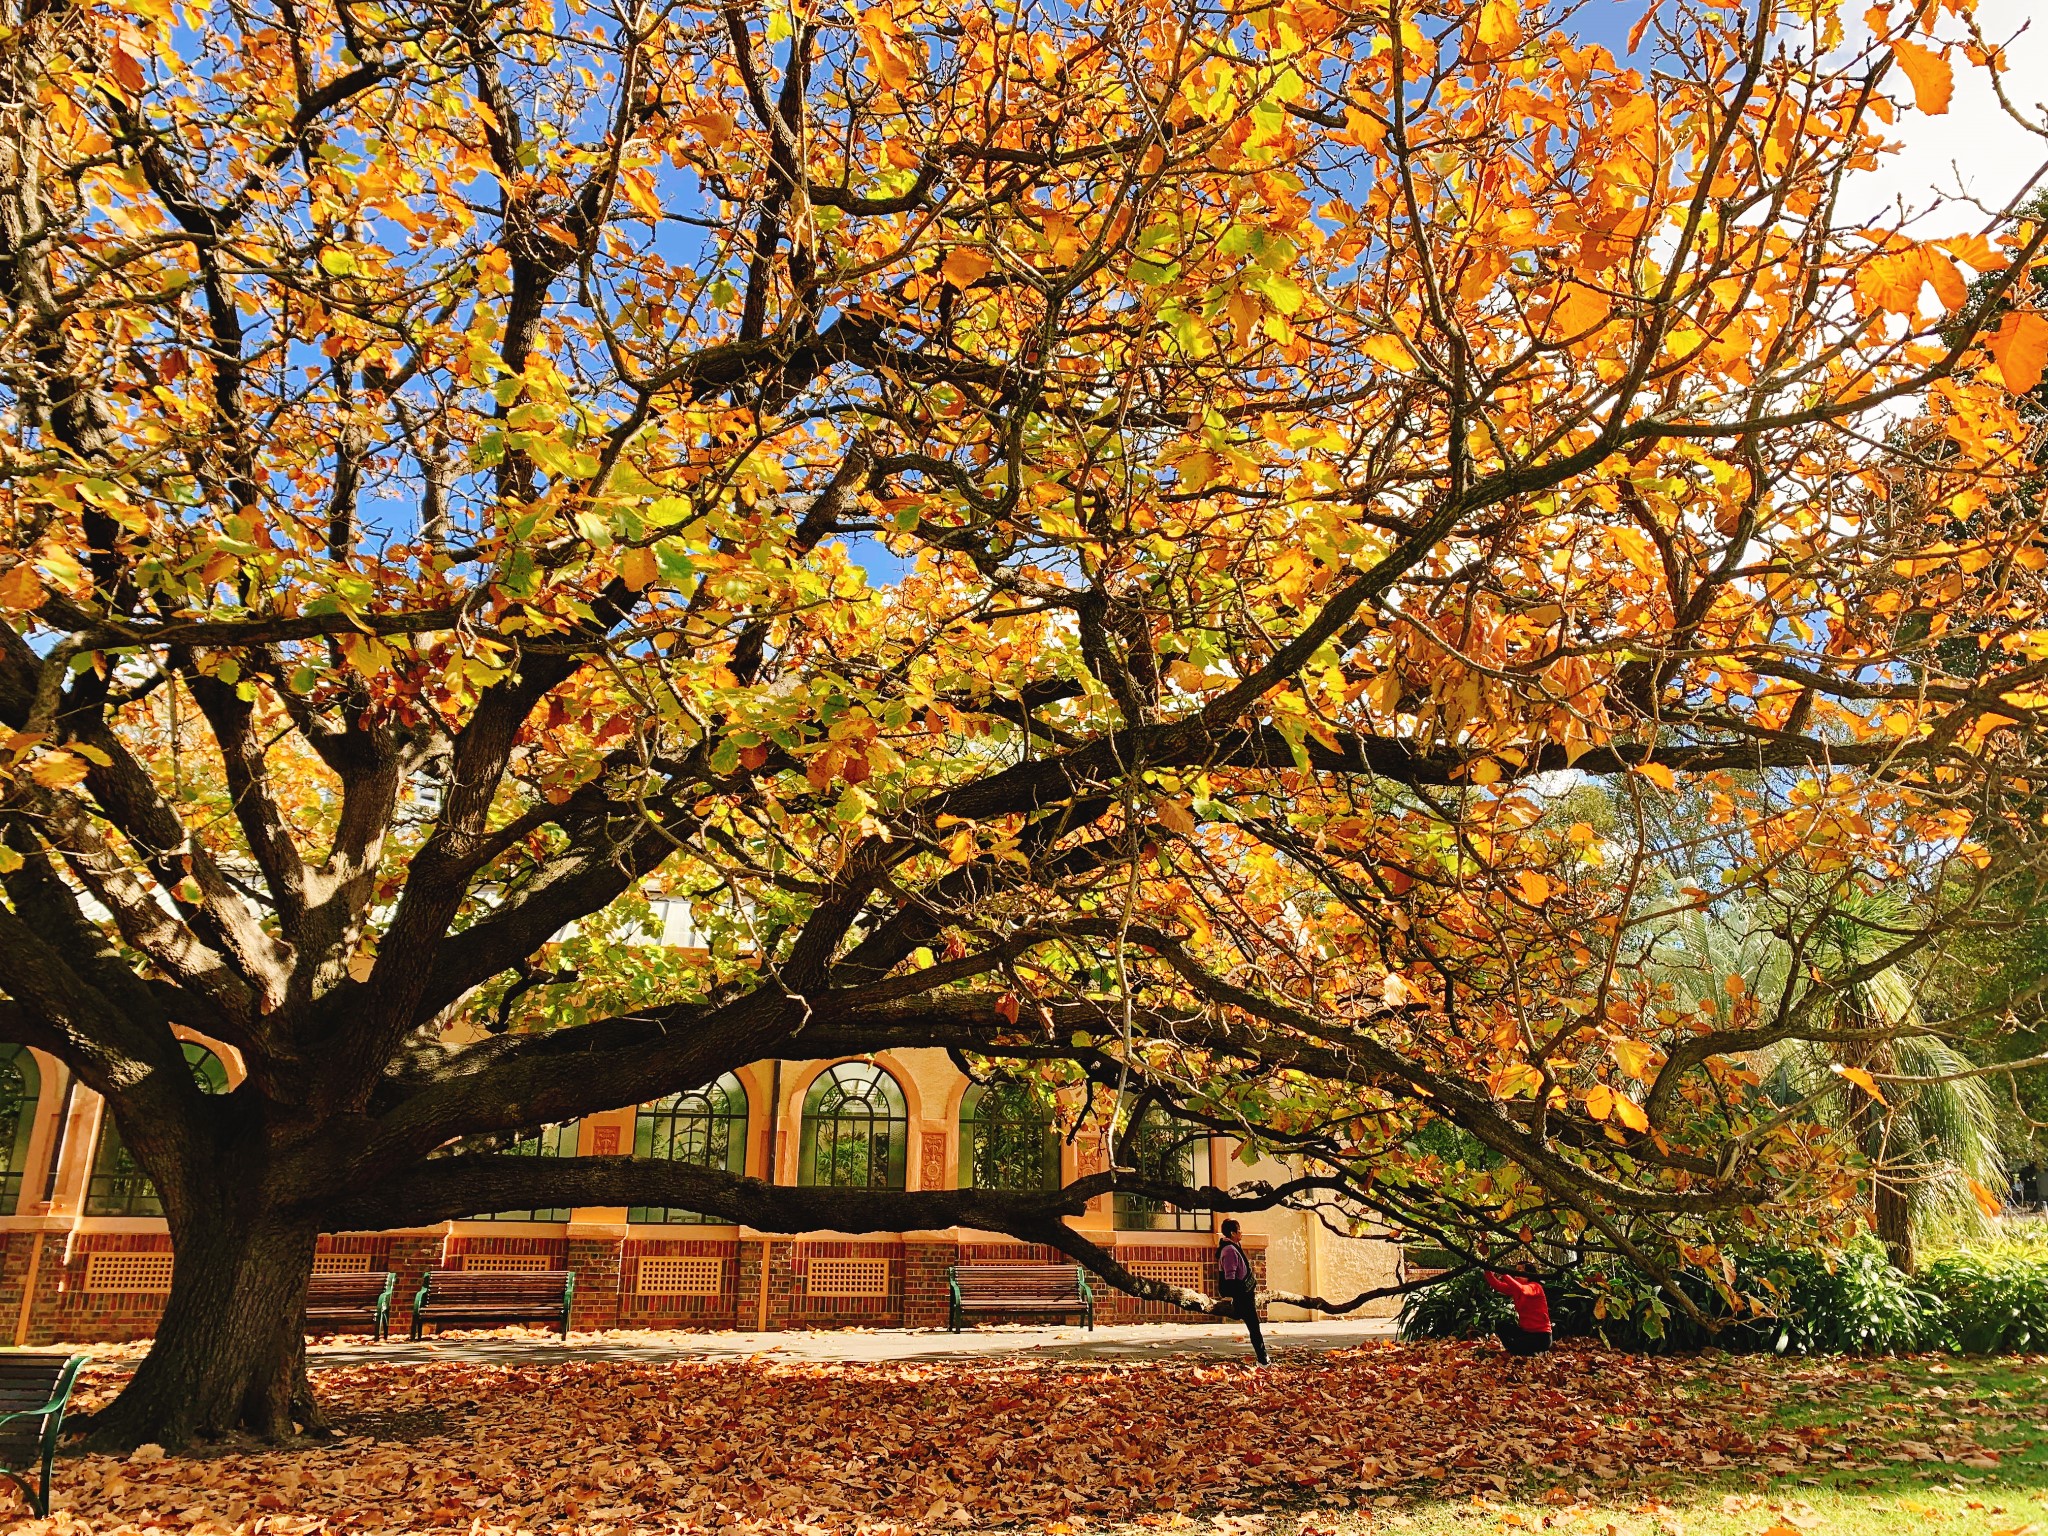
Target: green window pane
1162,1148
856,1131
706,1127
20,1085
548,1141
1007,1138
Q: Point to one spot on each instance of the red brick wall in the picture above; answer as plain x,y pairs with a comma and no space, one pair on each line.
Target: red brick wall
409,1256
926,1299
790,1305
732,1307
66,1312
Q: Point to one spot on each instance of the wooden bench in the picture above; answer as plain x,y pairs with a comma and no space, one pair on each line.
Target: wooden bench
490,1298
1020,1288
362,1296
33,1392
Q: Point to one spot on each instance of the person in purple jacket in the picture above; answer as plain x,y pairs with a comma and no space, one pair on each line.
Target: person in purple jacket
1234,1280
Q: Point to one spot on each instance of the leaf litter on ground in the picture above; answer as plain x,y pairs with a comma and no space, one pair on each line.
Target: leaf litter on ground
795,1448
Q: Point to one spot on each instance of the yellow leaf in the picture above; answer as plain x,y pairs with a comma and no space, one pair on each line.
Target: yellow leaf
2021,348
58,770
639,569
1948,282
1390,350
639,189
961,847
1535,887
1863,1080
1500,25
1660,776
1600,1101
1630,1113
1932,78
885,48
964,267
1633,1057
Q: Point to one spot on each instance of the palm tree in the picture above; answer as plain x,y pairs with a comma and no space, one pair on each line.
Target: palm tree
1928,1141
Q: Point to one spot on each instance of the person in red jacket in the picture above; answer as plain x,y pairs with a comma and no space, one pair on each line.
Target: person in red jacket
1529,1333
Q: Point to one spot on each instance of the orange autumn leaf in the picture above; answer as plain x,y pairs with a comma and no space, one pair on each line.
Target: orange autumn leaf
1933,78
639,568
2021,350
964,267
1535,887
19,588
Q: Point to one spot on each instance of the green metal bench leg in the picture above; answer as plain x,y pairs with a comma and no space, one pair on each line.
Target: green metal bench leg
37,1501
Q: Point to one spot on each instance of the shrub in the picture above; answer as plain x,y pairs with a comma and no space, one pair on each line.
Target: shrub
1987,1302
1856,1305
1859,1305
1459,1306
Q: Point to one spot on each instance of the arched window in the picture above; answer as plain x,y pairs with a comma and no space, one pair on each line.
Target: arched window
856,1132
548,1141
20,1084
1160,1147
1007,1138
118,1186
707,1127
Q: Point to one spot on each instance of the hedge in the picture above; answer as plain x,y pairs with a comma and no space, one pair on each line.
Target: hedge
1801,1302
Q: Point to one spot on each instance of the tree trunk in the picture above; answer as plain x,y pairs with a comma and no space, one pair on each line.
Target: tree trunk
1894,1222
230,1353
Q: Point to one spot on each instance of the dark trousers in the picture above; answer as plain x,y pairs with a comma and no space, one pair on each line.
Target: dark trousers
1517,1340
1247,1310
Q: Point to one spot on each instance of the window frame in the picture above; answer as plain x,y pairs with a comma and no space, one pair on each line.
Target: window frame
1138,1213
649,1119
973,1118
875,1081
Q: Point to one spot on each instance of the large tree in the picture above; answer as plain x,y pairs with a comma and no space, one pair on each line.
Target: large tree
1097,536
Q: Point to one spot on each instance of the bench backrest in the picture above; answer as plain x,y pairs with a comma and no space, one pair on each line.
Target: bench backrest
484,1287
1035,1282
29,1381
356,1288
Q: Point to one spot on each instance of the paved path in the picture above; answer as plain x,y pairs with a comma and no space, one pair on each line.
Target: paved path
1129,1341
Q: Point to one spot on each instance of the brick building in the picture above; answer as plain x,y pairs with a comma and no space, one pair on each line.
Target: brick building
84,1254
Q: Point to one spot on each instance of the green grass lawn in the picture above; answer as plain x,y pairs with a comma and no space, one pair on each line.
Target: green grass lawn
1956,1446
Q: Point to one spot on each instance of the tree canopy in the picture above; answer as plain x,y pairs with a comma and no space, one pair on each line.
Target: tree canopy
1170,551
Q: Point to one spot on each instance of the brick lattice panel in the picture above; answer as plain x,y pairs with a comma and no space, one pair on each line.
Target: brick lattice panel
343,1263
1185,1273
846,1277
127,1274
689,1275
508,1263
